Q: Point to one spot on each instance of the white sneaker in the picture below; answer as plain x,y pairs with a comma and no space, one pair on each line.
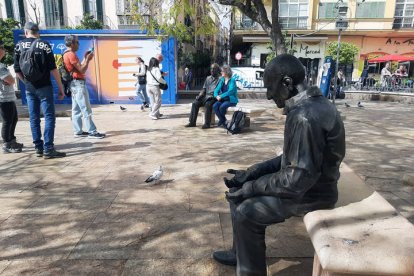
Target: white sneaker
153,117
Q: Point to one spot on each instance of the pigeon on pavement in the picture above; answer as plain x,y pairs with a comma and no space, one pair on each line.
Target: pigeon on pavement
359,104
347,105
156,175
131,98
122,108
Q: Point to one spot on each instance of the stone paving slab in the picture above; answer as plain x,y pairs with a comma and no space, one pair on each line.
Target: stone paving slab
92,212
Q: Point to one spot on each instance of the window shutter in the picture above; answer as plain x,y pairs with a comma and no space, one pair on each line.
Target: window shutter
61,16
86,9
9,9
22,13
99,10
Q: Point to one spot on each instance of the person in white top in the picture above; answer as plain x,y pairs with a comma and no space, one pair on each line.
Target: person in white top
385,74
154,78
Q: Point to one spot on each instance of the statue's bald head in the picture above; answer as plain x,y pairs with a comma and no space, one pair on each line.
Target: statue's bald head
281,76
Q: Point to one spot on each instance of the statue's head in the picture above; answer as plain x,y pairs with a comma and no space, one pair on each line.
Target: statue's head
281,78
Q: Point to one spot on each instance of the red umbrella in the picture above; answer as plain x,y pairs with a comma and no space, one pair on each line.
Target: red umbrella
391,58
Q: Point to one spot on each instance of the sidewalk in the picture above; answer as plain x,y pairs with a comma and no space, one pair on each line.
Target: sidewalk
92,212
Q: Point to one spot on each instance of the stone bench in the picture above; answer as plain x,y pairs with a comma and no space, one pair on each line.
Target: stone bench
250,113
368,237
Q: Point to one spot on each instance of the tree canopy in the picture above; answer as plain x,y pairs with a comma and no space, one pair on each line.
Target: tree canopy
6,34
347,52
256,11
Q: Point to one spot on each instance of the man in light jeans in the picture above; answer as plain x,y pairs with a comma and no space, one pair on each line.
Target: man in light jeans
80,95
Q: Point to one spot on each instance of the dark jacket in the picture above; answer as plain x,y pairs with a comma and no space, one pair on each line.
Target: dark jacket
306,175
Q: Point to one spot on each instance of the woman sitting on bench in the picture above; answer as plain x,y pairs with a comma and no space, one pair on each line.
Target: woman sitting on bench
226,94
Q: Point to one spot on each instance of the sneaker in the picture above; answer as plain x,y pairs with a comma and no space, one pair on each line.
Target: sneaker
82,134
14,144
39,152
160,115
153,117
142,107
96,135
146,105
53,154
205,126
9,148
190,125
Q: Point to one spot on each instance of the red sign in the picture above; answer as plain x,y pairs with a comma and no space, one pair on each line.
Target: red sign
239,56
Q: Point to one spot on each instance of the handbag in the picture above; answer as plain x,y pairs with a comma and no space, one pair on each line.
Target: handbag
163,86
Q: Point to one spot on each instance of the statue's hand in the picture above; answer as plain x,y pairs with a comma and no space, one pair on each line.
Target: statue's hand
237,196
239,178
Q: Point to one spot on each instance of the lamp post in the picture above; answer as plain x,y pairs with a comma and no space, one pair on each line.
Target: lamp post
340,24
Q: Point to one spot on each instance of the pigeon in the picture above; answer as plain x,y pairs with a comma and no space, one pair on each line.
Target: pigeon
156,175
123,108
359,104
131,98
347,105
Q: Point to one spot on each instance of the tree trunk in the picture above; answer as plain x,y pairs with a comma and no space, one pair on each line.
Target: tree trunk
276,36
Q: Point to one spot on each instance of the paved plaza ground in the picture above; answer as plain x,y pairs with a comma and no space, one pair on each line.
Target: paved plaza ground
92,213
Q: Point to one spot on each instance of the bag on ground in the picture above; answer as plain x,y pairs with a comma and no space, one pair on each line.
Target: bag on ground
237,122
32,63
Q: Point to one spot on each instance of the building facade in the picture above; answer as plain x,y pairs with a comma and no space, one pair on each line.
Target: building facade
114,14
376,27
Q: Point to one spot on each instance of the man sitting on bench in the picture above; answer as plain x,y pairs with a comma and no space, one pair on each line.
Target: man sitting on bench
302,179
205,98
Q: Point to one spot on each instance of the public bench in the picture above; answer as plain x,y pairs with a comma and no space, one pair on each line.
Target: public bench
249,111
368,237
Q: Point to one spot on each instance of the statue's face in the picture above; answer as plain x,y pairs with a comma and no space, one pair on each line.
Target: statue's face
276,90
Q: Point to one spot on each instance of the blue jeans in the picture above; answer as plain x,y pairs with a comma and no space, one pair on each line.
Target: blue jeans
36,99
81,106
220,108
142,93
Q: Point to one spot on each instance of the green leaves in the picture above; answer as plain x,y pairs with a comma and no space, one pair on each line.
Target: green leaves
6,34
347,52
89,23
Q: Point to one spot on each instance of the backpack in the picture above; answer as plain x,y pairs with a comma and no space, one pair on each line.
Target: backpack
29,66
237,122
143,79
65,75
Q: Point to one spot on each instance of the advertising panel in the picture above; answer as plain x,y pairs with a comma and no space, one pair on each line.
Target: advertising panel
109,76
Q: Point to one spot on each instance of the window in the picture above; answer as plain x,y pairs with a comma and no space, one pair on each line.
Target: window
15,10
53,13
404,14
93,7
370,9
293,14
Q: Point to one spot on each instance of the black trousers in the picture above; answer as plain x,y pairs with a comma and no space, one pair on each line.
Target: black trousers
250,219
8,112
207,102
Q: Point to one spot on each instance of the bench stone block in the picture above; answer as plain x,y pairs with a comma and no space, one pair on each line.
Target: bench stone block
367,237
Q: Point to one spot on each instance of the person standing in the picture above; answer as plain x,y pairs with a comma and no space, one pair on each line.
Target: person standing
39,90
225,94
142,83
80,95
205,98
154,78
385,74
8,110
188,78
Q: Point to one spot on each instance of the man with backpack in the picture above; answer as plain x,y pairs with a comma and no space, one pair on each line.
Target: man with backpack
34,63
80,95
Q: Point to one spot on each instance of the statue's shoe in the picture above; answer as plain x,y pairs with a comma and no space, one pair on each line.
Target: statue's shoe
225,257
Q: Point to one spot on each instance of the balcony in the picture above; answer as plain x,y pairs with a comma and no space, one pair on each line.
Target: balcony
246,24
403,23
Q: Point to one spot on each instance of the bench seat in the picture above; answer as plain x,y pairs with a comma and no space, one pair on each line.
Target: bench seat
363,238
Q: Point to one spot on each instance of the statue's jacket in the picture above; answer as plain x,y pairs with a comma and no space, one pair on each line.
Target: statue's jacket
305,176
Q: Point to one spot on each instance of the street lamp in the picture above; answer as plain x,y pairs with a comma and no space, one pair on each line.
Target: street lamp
340,24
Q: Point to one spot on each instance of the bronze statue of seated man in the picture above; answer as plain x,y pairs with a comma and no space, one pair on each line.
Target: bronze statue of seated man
304,178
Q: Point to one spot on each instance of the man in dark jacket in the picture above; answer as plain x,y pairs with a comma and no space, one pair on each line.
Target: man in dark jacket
205,98
39,90
304,178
